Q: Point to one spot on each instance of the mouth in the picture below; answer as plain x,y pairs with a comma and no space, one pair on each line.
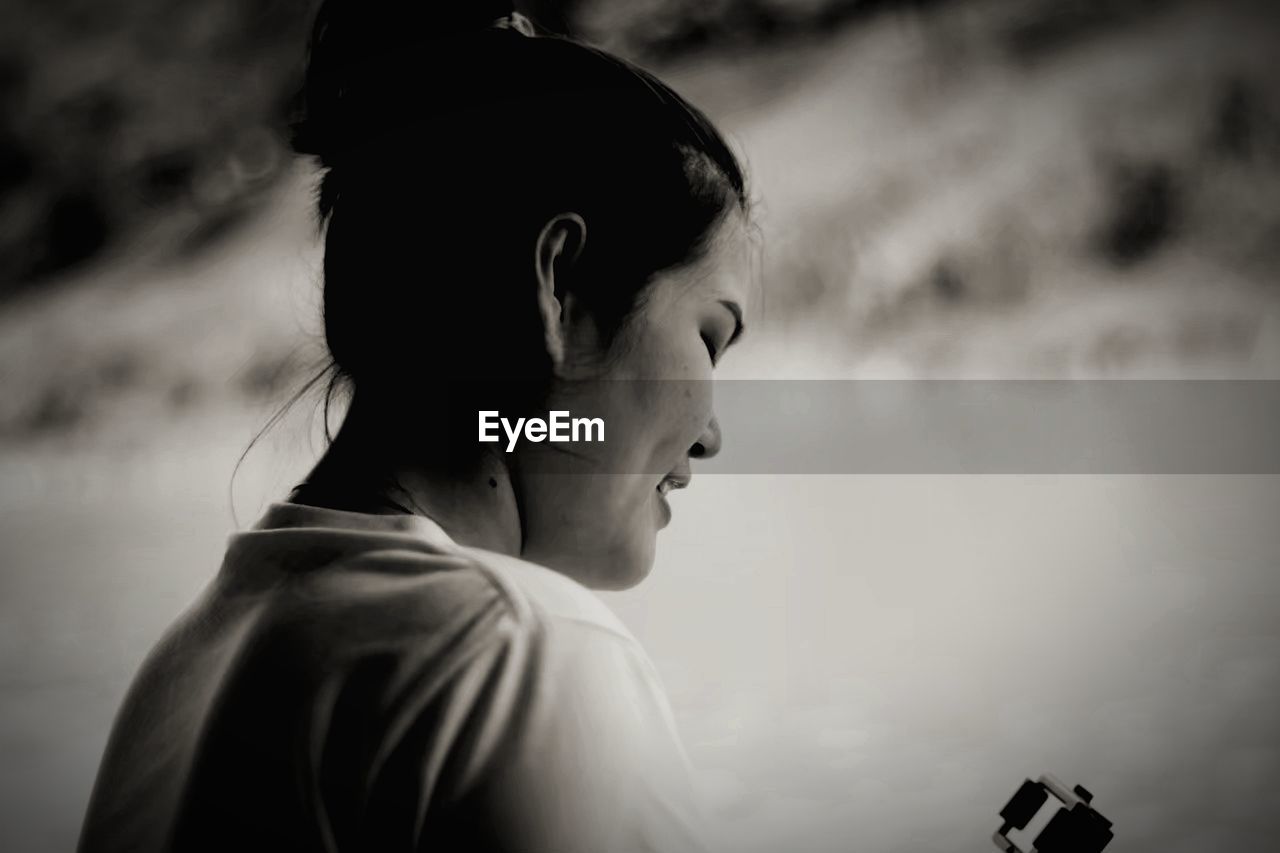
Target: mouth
673,481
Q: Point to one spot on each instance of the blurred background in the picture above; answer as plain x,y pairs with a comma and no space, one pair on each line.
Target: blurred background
964,189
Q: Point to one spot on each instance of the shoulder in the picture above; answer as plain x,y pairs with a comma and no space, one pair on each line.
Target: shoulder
505,636
544,596
445,612
585,667
384,599
484,677
494,637
589,757
568,640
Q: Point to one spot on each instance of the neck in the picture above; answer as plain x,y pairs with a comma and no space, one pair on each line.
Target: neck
365,470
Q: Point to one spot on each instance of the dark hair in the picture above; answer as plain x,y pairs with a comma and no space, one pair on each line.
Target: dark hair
448,143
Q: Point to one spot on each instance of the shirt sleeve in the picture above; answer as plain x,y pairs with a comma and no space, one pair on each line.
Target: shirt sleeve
568,746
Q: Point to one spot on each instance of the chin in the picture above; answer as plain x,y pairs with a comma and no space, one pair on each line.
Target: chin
617,569
619,581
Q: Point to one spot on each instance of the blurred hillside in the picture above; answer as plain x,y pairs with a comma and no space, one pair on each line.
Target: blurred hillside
170,115
122,115
946,189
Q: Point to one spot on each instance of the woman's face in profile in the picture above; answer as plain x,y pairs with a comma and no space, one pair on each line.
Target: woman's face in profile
597,517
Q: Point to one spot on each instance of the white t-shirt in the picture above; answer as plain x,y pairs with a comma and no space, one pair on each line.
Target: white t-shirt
361,682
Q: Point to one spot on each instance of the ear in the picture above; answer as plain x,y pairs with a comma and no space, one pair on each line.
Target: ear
558,247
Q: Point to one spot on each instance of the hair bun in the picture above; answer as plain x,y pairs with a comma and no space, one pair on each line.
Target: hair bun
357,53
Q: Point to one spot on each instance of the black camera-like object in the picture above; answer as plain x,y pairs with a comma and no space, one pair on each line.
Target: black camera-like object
1074,827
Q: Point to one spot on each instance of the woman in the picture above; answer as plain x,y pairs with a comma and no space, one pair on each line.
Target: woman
405,654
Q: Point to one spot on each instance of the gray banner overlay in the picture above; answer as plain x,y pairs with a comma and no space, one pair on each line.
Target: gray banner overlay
999,427
975,427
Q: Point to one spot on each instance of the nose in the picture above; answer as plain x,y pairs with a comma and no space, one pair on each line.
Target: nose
708,444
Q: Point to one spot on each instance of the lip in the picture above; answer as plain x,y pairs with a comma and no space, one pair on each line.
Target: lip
664,510
678,480
675,480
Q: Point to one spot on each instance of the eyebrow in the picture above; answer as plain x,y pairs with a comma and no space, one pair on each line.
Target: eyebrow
738,327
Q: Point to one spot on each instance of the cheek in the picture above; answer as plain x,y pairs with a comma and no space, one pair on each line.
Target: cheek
650,424
677,407
651,430
669,347
682,413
